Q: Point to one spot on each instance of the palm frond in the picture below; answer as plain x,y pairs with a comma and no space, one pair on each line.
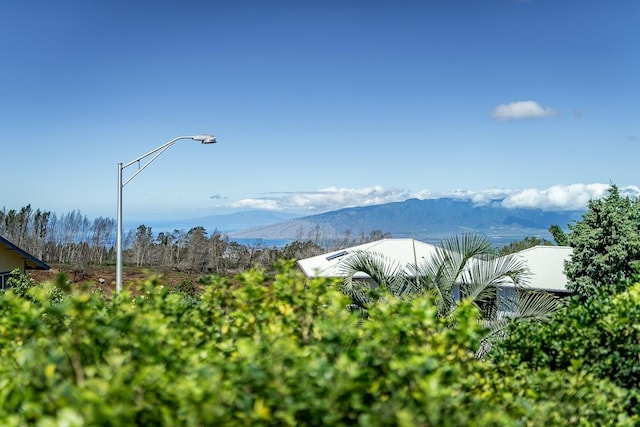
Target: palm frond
374,264
527,306
383,272
468,245
536,305
507,270
496,331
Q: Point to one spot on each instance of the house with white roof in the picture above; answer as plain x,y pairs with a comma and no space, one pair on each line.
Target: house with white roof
403,251
545,263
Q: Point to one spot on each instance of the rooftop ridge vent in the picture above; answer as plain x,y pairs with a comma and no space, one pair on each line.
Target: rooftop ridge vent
337,255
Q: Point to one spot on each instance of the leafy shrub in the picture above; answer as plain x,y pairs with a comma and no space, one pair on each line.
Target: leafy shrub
268,351
20,284
599,334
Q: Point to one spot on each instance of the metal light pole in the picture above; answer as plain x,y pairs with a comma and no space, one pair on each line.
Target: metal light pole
205,139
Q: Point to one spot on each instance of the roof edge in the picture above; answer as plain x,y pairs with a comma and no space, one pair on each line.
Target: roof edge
41,264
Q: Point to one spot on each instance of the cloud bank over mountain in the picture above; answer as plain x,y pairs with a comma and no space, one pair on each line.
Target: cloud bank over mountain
557,197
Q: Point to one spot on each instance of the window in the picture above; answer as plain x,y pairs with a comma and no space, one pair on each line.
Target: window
507,301
4,277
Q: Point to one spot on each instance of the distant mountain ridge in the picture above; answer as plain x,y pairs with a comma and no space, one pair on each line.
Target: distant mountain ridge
428,220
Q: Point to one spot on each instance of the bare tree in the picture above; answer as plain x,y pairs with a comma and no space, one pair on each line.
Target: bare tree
300,250
142,245
217,246
198,250
166,248
102,234
39,231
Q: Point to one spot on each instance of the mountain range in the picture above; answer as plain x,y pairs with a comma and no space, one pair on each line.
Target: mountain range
428,220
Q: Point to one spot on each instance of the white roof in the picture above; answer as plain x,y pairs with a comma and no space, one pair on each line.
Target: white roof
403,251
546,263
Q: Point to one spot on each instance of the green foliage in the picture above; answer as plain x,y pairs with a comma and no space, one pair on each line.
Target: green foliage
526,243
186,287
600,334
563,398
187,290
22,285
606,244
261,351
559,235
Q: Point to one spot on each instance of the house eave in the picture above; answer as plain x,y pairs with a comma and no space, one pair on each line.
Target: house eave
30,262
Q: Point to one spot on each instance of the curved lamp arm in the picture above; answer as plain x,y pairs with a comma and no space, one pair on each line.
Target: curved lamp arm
204,139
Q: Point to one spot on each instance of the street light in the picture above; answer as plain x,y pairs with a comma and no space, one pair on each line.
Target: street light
205,139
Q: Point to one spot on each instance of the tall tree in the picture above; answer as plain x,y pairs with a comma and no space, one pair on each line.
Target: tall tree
300,249
526,243
40,232
217,247
142,245
606,244
197,250
102,234
166,248
11,225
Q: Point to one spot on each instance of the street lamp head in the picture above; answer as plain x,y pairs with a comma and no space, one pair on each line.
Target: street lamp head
205,139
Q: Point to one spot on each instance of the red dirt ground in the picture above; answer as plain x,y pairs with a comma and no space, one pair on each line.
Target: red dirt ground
92,276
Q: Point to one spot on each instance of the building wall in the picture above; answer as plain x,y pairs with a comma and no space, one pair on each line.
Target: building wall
10,260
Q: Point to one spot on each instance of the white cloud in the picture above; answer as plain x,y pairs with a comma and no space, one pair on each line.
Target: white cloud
478,197
557,197
267,204
521,110
325,199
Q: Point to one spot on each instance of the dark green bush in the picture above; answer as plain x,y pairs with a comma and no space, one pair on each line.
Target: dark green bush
600,334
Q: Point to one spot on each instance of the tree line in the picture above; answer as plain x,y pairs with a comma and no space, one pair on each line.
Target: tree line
70,238
76,240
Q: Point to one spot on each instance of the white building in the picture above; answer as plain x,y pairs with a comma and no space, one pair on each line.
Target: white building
546,263
403,251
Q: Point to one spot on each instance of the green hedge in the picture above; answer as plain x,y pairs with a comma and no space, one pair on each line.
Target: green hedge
267,351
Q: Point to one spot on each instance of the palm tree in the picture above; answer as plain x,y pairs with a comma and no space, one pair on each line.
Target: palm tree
463,267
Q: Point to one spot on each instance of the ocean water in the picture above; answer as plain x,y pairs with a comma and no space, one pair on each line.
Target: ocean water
266,243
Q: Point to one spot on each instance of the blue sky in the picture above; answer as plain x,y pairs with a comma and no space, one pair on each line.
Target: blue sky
316,105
